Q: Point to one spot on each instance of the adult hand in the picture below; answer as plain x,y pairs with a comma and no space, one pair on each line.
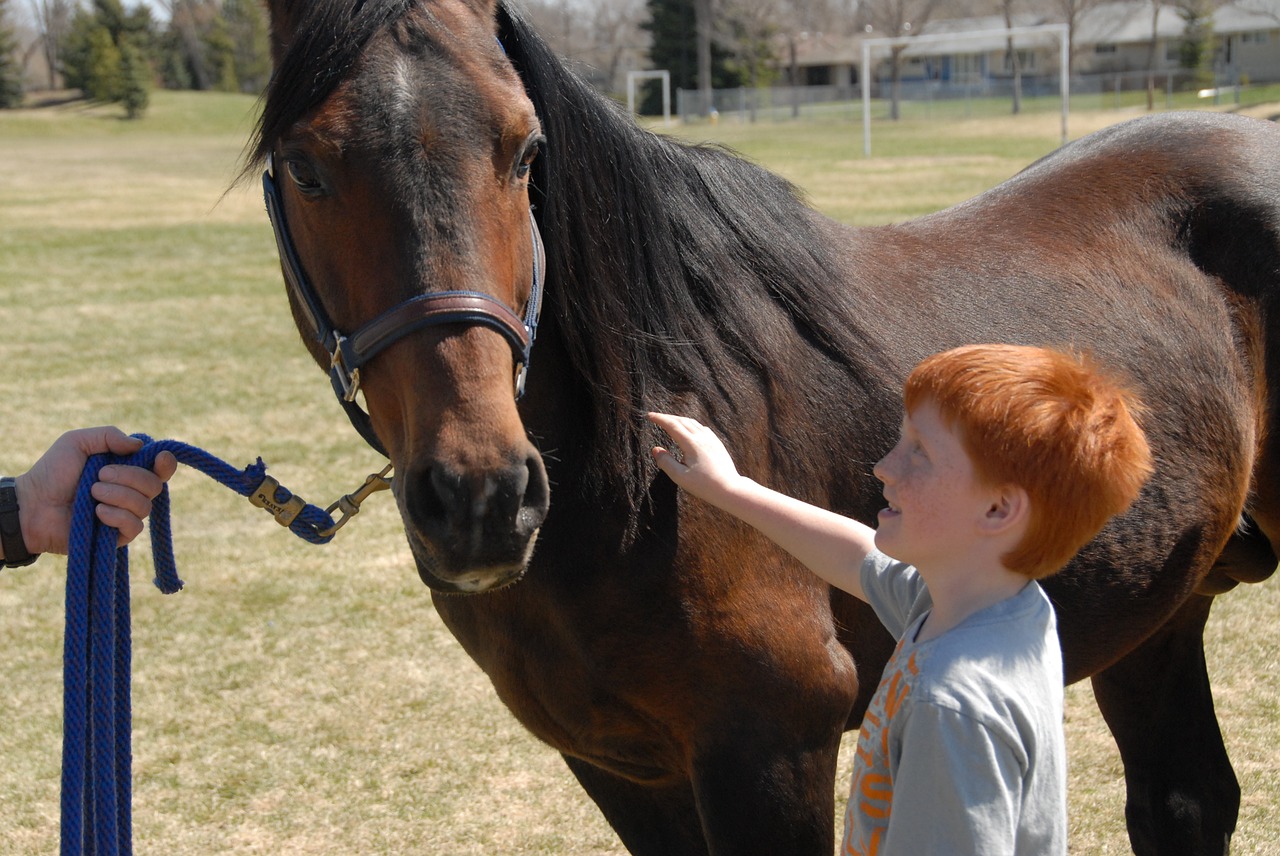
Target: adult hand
47,491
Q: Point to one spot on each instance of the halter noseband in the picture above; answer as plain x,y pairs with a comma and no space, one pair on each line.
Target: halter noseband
349,353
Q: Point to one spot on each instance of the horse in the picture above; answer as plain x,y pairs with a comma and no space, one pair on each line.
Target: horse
422,156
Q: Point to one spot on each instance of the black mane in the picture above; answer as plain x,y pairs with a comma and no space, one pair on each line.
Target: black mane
694,272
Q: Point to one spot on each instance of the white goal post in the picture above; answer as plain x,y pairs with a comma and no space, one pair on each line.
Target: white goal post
664,76
1061,30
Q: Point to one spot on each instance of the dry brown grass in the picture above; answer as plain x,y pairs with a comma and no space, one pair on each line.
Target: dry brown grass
302,700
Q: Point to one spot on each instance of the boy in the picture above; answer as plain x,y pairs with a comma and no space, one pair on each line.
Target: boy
1010,460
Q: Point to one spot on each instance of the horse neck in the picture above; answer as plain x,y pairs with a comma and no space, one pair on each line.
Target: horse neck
678,275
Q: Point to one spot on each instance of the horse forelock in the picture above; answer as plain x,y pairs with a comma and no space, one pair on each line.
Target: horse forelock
314,52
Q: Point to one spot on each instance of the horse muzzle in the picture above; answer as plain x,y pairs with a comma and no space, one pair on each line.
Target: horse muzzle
473,530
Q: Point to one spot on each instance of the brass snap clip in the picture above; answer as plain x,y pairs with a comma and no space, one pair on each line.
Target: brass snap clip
349,505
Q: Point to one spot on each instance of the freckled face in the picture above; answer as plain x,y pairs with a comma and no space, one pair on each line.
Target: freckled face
935,502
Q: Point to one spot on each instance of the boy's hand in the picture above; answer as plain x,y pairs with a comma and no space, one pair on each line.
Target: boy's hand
829,544
705,468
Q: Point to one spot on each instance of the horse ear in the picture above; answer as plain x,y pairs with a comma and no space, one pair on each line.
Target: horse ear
283,15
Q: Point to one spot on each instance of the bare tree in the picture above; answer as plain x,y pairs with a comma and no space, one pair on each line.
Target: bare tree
898,19
614,33
1151,54
598,34
53,20
1258,7
746,29
703,23
1007,10
804,18
187,18
1070,12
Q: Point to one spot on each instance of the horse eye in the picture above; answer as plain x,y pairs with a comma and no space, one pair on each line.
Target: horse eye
304,177
526,161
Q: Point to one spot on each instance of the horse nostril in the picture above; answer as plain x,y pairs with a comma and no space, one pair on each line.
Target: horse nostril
537,495
446,492
478,506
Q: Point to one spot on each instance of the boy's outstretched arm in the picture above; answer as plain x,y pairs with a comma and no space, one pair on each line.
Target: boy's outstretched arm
829,544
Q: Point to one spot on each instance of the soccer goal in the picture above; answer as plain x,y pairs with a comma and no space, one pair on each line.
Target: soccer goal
633,77
982,40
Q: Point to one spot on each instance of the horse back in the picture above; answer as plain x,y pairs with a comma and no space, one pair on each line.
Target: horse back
1155,246
1206,188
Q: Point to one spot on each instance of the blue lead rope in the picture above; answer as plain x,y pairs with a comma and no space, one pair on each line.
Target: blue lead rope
97,751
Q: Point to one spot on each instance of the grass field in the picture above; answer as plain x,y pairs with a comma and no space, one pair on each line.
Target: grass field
303,700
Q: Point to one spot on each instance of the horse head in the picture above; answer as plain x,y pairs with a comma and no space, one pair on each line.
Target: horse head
398,141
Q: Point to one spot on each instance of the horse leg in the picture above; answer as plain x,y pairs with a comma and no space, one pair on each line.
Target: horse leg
651,820
740,803
1183,797
764,803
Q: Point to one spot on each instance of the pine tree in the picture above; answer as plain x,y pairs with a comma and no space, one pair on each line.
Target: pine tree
674,48
105,55
1195,53
135,83
219,53
248,28
103,81
10,66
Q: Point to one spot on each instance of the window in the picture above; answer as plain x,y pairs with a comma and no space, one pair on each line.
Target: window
1026,61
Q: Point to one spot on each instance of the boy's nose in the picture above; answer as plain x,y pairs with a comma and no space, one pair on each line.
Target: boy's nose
878,469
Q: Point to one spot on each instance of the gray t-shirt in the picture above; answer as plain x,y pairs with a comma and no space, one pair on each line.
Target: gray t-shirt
961,750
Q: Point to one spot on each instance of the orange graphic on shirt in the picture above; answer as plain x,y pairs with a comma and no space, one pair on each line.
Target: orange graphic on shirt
871,796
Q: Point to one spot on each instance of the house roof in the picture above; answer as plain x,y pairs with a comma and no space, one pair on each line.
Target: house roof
976,35
1245,16
1126,23
1119,22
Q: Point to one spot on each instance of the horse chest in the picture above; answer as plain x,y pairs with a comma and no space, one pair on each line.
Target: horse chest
573,684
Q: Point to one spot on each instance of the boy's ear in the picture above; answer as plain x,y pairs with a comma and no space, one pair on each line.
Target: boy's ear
1009,507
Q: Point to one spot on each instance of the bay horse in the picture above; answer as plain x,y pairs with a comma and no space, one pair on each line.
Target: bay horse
696,680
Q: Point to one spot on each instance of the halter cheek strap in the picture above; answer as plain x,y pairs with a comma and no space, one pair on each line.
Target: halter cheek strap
349,353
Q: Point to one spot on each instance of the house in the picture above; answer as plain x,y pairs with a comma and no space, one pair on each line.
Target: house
1109,39
1118,37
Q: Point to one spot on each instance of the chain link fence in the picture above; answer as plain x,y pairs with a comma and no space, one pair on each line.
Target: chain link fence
972,98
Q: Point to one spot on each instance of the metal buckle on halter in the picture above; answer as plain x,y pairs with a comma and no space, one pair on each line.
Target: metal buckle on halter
522,372
349,505
347,379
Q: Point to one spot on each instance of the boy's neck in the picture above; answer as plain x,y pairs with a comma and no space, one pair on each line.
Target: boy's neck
958,593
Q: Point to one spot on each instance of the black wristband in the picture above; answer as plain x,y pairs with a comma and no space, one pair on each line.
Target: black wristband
16,554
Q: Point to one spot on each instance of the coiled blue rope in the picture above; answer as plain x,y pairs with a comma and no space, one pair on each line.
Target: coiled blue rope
97,751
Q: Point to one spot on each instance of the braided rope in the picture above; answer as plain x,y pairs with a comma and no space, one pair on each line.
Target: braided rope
97,752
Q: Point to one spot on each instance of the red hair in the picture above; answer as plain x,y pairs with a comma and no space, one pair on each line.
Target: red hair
1049,422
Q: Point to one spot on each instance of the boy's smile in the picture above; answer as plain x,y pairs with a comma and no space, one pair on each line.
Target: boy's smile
934,499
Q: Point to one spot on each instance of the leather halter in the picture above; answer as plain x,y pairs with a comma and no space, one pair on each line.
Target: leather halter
349,353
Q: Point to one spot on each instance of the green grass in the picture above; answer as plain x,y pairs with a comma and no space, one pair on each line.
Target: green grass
303,700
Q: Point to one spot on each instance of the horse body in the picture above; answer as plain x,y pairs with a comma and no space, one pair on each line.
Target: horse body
697,680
